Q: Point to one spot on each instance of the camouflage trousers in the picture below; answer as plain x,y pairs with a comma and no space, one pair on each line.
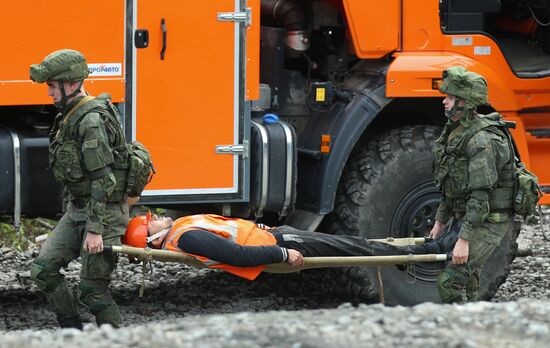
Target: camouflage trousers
63,245
460,283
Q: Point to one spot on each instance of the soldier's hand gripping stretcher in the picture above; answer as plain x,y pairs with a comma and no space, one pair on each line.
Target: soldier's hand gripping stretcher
244,248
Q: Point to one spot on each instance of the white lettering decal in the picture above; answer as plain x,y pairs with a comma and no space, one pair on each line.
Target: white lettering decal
105,69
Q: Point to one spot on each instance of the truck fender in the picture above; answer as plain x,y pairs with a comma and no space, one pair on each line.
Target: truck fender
319,174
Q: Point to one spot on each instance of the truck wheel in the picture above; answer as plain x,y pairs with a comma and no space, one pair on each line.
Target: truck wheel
387,190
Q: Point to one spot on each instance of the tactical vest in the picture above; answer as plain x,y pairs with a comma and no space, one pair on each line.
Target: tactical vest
242,232
65,151
451,166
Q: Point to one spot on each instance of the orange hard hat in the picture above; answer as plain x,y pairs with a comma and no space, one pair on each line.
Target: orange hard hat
136,233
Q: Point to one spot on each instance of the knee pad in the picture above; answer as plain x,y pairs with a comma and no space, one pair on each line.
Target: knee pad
45,275
449,288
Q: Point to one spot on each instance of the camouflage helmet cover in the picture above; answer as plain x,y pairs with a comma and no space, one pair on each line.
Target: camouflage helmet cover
62,65
464,84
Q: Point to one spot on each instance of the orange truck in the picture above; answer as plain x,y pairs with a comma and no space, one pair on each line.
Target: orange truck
320,114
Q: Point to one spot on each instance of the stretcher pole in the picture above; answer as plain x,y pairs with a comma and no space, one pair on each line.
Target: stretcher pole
309,262
351,261
402,241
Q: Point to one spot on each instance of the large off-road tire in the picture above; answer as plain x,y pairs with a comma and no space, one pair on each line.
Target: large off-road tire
386,190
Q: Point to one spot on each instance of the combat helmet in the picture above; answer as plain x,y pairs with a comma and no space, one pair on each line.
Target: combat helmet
62,65
466,85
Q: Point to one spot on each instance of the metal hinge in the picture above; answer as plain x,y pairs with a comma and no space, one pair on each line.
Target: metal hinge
239,149
241,17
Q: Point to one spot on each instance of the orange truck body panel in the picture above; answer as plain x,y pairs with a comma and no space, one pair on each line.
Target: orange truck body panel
421,51
179,122
100,38
363,22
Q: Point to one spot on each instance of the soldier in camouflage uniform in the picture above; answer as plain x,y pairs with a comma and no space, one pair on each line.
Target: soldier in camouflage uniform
87,154
474,169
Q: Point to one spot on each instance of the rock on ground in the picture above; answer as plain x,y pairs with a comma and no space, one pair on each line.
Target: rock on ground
184,307
481,324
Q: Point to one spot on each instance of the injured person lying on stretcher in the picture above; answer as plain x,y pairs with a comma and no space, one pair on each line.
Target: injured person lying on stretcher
243,247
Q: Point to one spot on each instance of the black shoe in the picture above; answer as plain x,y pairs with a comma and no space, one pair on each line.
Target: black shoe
66,322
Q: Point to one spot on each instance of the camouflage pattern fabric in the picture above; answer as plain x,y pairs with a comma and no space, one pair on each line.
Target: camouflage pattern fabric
460,283
466,85
85,151
62,65
478,185
474,169
84,145
63,245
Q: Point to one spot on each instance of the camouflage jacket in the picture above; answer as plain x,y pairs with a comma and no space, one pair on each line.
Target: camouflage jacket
474,169
87,154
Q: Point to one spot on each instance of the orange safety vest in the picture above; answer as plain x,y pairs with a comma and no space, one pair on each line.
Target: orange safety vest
240,231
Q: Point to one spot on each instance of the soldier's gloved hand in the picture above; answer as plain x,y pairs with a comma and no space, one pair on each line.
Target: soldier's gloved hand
93,243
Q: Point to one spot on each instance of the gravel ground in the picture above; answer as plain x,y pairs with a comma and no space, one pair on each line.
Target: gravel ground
186,307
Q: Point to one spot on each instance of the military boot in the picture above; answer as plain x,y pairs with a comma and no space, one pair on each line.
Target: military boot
109,315
67,322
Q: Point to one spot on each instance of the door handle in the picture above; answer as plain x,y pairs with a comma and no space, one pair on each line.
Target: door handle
163,28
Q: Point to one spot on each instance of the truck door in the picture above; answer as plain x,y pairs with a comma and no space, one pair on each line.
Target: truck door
188,98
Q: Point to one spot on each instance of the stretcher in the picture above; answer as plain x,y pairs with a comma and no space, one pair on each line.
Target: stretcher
147,255
309,262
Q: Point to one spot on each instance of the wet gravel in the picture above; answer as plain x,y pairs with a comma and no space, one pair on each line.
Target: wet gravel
185,307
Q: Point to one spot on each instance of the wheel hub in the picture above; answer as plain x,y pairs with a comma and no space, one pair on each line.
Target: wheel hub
414,217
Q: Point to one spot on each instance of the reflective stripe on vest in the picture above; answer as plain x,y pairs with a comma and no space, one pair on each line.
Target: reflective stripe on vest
201,223
239,231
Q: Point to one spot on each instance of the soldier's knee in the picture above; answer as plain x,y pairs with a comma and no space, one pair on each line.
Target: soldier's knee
449,288
45,275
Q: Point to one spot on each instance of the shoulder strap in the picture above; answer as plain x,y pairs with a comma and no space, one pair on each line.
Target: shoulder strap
109,111
455,132
512,144
78,112
82,101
